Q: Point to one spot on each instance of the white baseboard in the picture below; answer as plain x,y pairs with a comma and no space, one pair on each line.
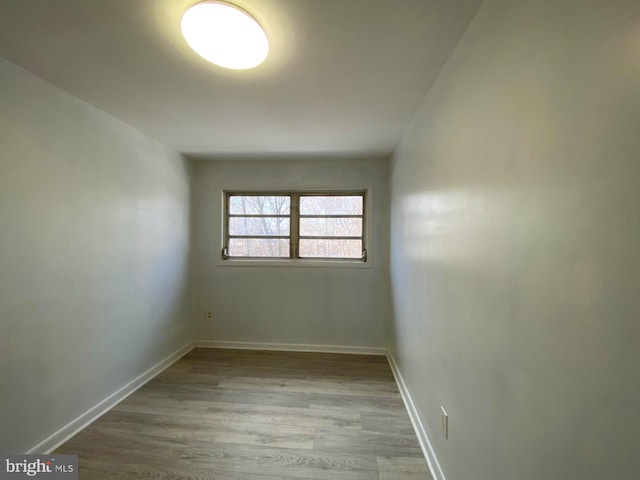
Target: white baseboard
70,429
292,347
423,439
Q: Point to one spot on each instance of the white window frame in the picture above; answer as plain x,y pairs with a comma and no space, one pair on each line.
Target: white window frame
294,260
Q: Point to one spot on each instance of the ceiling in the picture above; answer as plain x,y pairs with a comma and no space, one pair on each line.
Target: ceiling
342,77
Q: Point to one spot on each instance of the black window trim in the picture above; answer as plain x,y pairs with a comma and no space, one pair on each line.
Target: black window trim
294,225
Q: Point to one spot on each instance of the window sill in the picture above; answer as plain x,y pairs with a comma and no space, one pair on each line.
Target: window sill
295,263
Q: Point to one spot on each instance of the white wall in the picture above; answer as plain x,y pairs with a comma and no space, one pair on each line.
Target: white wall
515,236
93,256
311,305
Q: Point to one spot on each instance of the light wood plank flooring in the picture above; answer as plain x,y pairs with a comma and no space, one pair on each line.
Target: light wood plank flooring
241,415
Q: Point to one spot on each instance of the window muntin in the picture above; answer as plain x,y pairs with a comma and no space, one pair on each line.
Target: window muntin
295,225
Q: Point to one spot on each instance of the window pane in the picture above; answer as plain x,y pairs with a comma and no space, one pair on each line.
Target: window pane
262,226
331,248
331,227
258,247
259,205
331,205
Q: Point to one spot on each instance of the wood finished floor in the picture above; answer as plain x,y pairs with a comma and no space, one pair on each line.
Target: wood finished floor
257,415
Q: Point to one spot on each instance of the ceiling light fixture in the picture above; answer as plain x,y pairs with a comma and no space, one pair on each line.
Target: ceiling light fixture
224,34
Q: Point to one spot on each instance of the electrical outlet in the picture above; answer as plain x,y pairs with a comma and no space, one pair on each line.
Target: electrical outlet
209,315
444,423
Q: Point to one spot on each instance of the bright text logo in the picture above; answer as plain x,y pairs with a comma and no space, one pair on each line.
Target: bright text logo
50,467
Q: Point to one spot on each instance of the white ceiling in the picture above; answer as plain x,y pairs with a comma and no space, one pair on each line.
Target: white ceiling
342,77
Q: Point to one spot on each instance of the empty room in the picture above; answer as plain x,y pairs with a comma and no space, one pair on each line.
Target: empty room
320,239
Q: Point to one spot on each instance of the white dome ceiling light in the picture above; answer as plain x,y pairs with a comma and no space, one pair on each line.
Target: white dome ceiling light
224,34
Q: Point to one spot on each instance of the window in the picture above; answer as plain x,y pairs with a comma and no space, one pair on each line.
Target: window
294,225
